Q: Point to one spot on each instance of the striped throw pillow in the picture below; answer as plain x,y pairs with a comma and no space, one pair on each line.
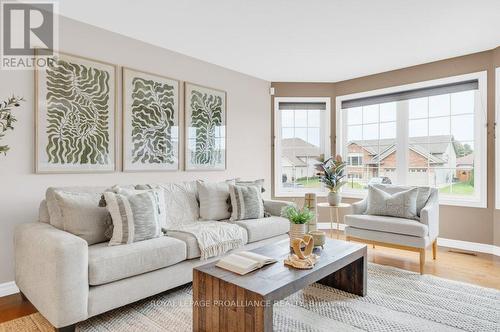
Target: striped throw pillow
136,217
246,202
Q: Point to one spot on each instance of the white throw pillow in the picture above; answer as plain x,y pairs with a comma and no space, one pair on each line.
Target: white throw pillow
181,202
82,216
402,204
214,200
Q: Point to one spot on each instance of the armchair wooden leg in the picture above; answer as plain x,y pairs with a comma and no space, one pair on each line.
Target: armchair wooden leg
373,246
422,260
348,238
434,249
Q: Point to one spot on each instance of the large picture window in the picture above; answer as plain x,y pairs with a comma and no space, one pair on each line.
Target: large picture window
425,134
302,140
497,138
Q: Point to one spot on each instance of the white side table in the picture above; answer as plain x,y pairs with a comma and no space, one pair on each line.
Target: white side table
336,208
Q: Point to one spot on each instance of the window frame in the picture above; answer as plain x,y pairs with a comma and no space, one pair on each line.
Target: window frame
278,192
480,136
497,135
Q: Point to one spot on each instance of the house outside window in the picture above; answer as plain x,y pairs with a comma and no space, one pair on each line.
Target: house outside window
424,134
302,140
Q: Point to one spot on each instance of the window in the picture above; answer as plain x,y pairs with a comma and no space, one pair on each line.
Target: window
302,140
497,135
355,159
424,134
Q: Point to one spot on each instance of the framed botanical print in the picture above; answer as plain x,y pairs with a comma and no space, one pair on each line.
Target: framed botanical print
150,122
205,112
75,115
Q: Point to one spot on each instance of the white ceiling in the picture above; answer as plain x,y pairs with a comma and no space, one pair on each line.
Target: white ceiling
300,40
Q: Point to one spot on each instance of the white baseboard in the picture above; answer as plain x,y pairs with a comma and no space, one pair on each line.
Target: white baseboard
8,288
443,242
469,246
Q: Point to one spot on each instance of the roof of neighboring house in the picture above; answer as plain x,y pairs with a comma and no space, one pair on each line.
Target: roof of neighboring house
294,150
431,147
467,160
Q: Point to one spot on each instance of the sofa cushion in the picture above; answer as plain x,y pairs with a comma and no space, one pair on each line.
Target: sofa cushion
82,215
263,228
55,213
423,193
181,202
193,250
387,224
107,264
246,202
43,212
401,204
213,200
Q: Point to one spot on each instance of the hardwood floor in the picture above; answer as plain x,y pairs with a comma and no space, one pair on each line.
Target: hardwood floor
475,268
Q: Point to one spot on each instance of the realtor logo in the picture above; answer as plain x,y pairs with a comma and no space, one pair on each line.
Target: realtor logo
26,26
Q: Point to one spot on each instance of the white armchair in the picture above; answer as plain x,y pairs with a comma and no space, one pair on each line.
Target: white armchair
400,233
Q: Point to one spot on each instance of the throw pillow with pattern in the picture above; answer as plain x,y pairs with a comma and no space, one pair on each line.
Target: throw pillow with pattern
246,202
136,217
402,204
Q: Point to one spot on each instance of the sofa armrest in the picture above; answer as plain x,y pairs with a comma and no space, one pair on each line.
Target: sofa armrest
274,207
51,268
359,207
429,215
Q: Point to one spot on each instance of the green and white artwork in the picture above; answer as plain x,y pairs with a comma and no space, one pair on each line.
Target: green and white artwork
150,122
75,116
205,128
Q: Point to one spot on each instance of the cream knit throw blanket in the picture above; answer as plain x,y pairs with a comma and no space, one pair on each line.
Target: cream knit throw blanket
214,237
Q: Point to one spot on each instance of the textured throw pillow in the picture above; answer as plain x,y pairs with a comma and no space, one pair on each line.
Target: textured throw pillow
259,183
422,196
246,202
402,204
214,200
82,216
135,217
181,202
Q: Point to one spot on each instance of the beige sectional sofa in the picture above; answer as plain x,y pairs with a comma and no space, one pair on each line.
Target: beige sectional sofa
68,280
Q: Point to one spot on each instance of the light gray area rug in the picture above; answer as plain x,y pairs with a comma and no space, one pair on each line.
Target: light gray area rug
397,300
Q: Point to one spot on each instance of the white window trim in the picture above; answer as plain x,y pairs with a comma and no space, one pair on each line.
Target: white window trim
497,138
278,192
480,121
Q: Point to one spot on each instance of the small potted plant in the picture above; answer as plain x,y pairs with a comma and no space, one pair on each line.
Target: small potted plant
331,173
298,220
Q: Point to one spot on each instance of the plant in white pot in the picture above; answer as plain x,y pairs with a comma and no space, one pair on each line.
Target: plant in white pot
331,173
298,220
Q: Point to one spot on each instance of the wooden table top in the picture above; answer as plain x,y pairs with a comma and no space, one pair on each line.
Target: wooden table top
275,281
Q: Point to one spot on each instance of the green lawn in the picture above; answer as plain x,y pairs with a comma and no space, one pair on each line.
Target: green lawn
309,183
459,188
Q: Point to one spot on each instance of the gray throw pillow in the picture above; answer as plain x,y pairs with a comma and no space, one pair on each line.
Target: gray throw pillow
136,217
422,196
246,202
402,204
81,215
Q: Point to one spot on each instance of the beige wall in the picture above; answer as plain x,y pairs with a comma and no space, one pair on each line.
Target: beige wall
248,132
459,223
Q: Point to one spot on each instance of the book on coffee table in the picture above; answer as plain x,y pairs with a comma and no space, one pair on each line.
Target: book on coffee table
244,262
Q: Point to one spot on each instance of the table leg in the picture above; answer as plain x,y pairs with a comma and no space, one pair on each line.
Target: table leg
351,278
338,222
331,219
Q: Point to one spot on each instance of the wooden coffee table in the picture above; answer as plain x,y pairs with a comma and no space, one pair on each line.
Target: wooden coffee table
226,301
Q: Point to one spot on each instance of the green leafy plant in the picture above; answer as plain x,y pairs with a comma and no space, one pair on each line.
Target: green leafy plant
331,173
7,119
296,215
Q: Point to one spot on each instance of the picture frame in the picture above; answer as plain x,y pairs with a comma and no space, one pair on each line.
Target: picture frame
150,121
205,111
75,115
